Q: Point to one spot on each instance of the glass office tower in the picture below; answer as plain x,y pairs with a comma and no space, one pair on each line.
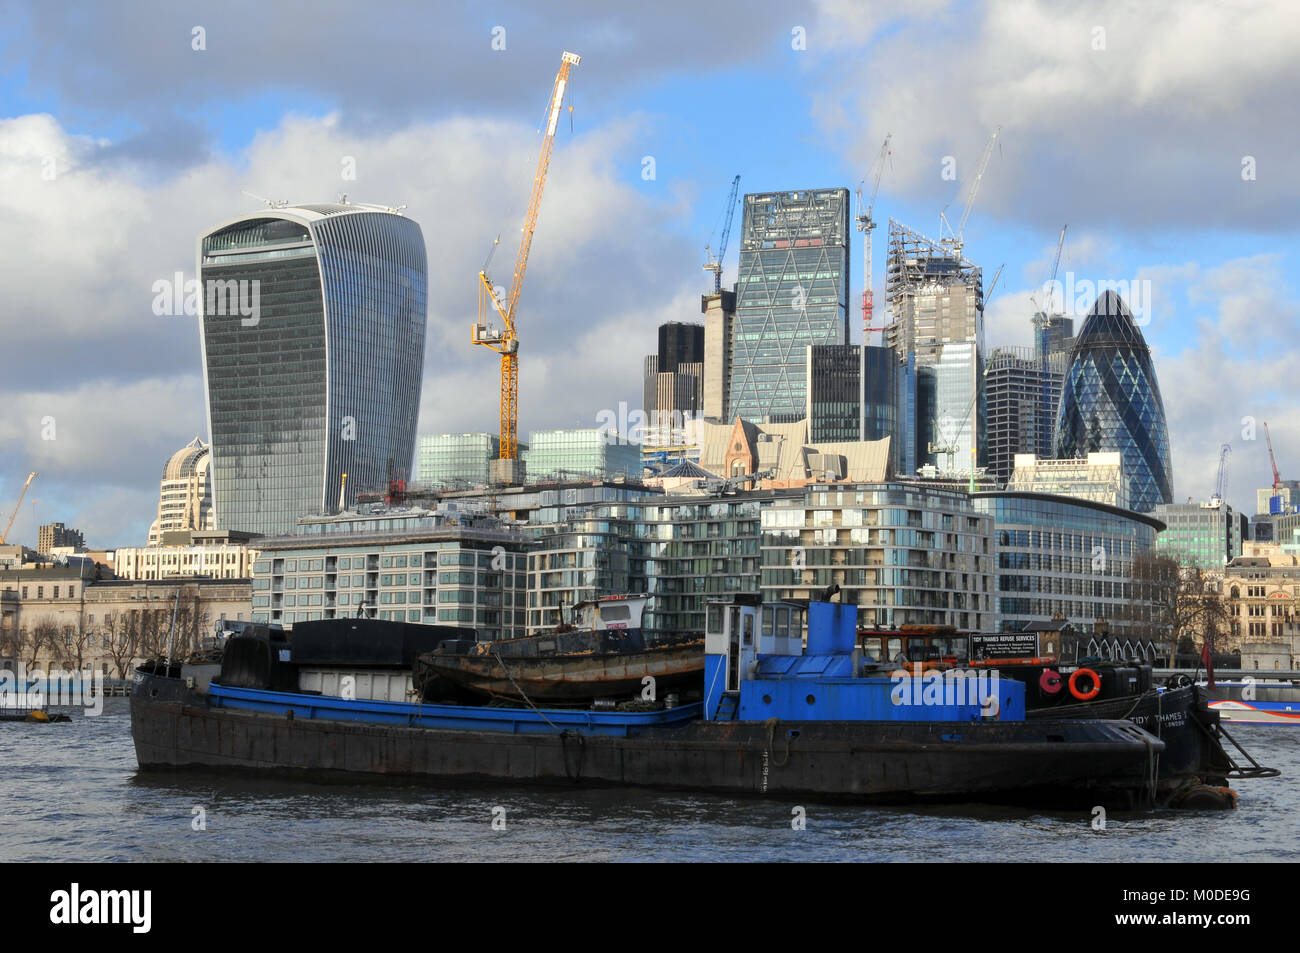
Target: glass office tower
1110,401
312,332
792,292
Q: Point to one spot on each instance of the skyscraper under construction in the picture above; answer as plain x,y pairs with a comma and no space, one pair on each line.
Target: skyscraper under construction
935,298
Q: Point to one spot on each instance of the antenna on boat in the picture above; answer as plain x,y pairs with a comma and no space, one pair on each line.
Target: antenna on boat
171,636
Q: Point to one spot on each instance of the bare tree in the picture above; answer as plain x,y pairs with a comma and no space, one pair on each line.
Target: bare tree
71,648
11,642
43,636
1174,603
122,640
153,632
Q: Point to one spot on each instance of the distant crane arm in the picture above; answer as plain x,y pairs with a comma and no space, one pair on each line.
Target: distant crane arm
714,263
14,515
975,185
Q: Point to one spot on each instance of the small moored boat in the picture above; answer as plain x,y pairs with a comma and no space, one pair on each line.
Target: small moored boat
603,654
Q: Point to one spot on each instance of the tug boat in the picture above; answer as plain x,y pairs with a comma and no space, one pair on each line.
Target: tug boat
601,654
775,717
1195,768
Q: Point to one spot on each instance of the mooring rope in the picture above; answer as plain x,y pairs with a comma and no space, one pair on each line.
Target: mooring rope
771,732
524,694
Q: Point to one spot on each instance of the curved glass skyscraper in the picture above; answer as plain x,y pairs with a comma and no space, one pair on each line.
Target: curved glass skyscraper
313,321
1110,401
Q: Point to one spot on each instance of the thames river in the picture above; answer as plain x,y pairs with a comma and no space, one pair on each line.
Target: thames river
72,793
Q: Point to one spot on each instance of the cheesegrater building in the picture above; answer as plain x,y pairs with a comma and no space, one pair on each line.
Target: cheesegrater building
321,376
792,293
1110,402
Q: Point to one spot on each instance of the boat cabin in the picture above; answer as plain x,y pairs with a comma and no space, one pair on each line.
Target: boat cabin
739,628
609,612
937,645
758,665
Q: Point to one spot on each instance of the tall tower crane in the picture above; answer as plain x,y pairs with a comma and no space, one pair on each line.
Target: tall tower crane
1277,477
505,341
1042,322
1221,484
17,506
866,225
714,264
956,240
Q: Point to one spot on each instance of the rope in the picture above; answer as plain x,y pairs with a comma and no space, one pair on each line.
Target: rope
716,672
524,695
771,732
564,732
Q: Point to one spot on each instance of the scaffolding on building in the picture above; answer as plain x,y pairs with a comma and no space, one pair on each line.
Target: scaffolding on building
916,265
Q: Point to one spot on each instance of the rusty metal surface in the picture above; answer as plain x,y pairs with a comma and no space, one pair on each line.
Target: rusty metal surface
573,677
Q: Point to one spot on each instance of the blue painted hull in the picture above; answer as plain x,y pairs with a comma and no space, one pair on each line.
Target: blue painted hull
453,717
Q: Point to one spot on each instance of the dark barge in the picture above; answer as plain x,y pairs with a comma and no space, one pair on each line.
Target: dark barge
777,720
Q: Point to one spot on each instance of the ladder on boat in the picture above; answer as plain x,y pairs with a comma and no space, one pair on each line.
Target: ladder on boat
728,707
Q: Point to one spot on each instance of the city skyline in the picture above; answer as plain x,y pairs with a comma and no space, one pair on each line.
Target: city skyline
119,383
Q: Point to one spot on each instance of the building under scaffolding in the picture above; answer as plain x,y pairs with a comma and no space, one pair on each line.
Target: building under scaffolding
935,298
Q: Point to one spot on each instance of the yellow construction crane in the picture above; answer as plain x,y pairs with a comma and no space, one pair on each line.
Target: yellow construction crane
17,506
504,340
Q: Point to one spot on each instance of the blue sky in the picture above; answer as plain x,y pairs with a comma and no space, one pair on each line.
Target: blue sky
1135,135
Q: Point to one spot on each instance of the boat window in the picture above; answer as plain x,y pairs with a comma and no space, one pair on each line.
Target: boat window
749,628
783,621
871,646
768,612
895,648
615,613
714,623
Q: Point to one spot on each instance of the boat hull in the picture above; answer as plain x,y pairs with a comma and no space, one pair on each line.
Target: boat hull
1048,763
574,678
1177,716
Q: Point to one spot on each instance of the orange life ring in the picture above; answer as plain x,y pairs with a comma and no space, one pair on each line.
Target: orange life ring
1096,684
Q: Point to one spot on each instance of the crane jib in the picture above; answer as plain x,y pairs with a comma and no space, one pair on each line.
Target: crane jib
555,108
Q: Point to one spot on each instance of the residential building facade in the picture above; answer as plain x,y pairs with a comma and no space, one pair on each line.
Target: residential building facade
447,567
903,554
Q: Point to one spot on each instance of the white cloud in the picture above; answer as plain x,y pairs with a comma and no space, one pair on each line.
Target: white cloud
125,385
1110,112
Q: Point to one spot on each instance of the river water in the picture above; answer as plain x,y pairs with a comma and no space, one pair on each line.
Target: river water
71,793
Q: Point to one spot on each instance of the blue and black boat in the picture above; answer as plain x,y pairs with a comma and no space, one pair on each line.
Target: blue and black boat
770,716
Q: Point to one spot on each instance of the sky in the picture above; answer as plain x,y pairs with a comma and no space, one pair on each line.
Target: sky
1164,134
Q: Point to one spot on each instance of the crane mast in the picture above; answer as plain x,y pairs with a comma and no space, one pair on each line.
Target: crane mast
867,225
505,341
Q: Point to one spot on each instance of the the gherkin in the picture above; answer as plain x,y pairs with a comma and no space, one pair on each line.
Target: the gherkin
1110,402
